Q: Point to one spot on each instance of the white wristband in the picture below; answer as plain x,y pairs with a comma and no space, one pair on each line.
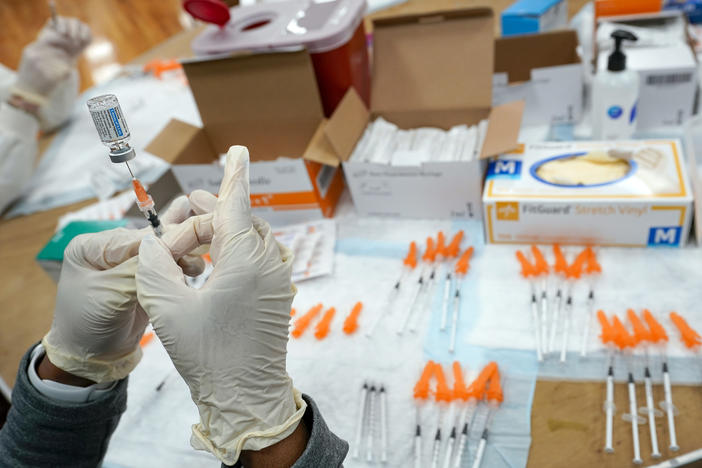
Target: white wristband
63,392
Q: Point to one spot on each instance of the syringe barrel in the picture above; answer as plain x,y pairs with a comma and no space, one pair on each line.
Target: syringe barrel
111,126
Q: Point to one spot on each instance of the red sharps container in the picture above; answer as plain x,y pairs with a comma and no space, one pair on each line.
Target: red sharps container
332,31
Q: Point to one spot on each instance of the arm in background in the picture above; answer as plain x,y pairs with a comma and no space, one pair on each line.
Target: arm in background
40,97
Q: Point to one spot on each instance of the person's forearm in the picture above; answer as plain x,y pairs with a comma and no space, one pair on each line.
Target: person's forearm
284,453
320,446
62,433
47,371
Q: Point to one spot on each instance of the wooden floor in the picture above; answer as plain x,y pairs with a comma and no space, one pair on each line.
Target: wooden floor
122,30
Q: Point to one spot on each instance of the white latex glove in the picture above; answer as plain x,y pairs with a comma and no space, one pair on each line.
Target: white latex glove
228,339
50,59
97,321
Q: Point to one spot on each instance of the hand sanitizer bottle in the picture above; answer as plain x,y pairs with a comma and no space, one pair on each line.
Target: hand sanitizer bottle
615,94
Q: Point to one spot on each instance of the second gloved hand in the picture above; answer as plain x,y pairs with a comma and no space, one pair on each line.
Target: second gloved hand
97,321
48,60
228,339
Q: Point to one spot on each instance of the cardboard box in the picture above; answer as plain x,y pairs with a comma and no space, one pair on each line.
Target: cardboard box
645,207
534,16
428,70
268,103
543,70
667,74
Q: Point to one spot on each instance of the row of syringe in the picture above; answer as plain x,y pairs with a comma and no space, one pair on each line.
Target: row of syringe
437,256
384,143
372,424
620,341
548,315
464,400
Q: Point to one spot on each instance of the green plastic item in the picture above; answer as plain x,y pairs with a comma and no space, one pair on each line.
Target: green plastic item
53,250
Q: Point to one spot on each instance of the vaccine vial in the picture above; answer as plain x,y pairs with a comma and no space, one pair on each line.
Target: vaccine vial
111,127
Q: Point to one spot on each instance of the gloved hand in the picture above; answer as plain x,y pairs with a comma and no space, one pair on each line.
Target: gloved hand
97,321
228,339
50,59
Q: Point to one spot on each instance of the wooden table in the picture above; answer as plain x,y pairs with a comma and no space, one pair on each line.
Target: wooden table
567,417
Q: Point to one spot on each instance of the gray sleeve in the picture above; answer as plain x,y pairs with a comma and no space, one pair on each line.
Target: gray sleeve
40,431
324,448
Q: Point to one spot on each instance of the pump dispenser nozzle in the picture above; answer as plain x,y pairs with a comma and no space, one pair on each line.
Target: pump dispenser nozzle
617,59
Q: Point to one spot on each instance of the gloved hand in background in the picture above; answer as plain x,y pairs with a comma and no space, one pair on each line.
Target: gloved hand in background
52,56
228,339
97,321
47,77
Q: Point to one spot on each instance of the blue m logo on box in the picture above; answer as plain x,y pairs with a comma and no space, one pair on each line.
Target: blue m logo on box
504,168
664,236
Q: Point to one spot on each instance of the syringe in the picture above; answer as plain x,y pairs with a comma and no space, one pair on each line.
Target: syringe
494,399
114,133
146,205
54,16
659,336
608,337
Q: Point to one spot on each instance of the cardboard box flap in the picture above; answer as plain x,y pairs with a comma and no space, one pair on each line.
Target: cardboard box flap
503,129
441,60
518,55
336,138
182,143
320,150
347,124
267,102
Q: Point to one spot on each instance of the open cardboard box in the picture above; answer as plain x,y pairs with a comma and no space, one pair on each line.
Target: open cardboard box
428,70
268,103
545,71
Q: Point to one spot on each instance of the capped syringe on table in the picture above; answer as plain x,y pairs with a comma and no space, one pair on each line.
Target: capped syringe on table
460,270
114,133
410,263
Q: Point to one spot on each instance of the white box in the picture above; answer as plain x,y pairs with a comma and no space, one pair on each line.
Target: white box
544,71
649,206
432,190
281,190
667,75
419,82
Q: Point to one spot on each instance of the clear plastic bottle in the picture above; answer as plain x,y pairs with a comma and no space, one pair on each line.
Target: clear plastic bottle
615,94
111,126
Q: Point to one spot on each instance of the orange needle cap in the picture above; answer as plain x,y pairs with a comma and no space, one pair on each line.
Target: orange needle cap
441,244
454,248
443,392
541,263
607,335
561,265
411,258
304,322
351,321
689,337
657,332
460,390
477,388
494,391
641,333
527,269
321,330
430,252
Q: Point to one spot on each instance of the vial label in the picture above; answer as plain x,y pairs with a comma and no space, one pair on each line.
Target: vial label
110,124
